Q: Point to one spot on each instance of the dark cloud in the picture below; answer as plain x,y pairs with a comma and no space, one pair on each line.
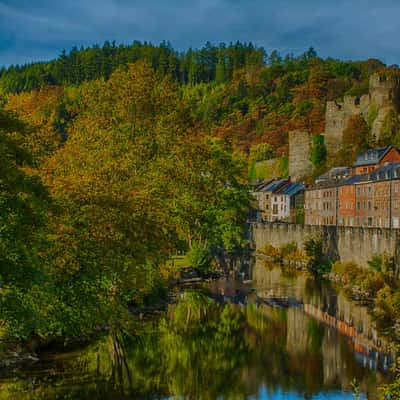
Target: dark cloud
351,29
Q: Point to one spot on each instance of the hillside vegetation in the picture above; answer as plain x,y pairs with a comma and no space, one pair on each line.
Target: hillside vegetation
116,157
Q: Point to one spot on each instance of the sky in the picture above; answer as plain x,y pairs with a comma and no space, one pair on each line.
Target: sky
33,30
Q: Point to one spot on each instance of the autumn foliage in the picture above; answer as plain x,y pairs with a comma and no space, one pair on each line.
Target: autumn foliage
108,169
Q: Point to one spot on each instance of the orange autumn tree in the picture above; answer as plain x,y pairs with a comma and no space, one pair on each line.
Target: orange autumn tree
41,110
132,181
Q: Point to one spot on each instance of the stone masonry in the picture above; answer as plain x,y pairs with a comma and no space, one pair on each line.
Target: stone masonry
299,155
384,95
347,244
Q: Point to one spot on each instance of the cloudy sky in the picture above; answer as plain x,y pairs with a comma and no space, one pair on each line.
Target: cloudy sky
33,30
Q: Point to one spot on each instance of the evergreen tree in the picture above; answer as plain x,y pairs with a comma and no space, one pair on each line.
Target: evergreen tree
220,76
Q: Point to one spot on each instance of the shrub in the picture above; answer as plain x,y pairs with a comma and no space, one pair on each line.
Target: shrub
288,248
314,249
318,151
199,257
368,281
271,251
261,152
372,114
372,283
376,263
339,268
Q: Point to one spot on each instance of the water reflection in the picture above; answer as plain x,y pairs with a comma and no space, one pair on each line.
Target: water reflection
280,337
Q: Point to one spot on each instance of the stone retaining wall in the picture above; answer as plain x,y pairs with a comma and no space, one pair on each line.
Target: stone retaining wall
346,244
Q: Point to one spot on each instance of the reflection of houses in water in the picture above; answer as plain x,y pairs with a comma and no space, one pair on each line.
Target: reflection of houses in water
326,305
297,339
368,350
334,363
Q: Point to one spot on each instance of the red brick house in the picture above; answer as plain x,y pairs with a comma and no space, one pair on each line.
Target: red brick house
320,205
347,201
375,158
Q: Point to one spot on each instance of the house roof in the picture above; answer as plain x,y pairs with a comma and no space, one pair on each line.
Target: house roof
334,174
291,189
351,180
372,156
263,184
389,171
338,172
276,184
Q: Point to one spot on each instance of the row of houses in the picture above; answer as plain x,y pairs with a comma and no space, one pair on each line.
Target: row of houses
280,200
365,195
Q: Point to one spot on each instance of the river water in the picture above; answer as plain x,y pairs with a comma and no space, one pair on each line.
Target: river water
283,335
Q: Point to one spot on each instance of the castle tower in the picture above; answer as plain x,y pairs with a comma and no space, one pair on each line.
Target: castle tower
334,126
385,96
337,116
385,91
300,165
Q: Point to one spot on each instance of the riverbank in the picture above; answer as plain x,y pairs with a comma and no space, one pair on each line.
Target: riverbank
376,287
175,278
219,340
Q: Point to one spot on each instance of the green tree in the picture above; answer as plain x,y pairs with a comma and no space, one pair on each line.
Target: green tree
318,152
220,76
24,206
390,131
355,139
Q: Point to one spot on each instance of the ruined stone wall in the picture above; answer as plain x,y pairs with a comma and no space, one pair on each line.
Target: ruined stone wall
346,244
299,155
384,94
334,126
337,118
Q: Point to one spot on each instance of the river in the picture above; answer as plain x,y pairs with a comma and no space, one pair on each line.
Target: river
279,335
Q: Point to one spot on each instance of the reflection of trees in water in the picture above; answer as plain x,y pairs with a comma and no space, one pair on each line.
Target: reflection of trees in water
202,350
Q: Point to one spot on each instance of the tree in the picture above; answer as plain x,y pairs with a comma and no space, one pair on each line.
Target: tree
220,69
41,111
318,152
355,139
24,205
390,131
132,182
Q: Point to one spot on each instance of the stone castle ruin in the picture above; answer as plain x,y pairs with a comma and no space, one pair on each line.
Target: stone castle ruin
299,154
338,115
383,96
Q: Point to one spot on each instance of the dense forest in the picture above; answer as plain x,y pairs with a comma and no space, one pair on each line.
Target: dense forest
114,158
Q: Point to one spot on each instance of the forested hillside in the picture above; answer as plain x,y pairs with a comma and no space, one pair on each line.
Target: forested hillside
190,67
236,92
116,157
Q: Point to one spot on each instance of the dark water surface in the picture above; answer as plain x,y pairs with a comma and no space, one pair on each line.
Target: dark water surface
280,336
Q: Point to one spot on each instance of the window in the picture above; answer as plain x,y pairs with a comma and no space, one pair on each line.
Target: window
358,205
